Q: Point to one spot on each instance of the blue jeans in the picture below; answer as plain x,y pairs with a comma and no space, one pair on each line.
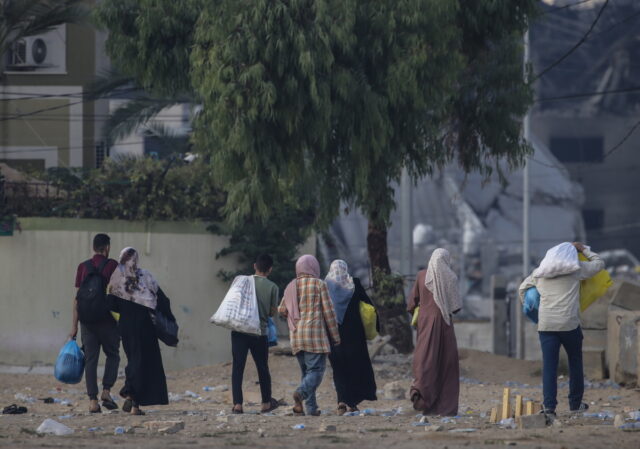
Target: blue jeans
550,343
312,367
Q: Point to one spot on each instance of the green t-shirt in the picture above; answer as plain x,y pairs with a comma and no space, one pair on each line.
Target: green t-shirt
267,293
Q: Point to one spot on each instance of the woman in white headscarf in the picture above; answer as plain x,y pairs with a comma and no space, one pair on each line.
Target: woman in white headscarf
436,371
352,371
135,295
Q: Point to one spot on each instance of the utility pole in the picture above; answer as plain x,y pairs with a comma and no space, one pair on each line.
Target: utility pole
406,224
526,203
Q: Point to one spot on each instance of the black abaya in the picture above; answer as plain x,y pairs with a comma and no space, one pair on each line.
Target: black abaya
352,371
145,380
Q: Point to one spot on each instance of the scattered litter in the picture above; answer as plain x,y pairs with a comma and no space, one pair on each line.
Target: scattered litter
298,427
95,429
448,419
630,427
191,394
602,415
174,397
24,398
368,412
48,400
508,423
467,430
119,431
14,409
52,427
420,424
635,415
65,417
351,414
614,398
208,388
433,428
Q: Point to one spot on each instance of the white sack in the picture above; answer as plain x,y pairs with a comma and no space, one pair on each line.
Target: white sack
239,308
560,260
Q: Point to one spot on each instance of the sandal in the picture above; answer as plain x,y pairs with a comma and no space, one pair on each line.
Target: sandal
342,409
126,407
109,403
298,409
138,412
273,404
13,409
236,411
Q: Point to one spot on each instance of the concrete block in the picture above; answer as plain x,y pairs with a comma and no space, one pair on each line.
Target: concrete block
626,295
537,421
595,338
595,317
622,345
594,363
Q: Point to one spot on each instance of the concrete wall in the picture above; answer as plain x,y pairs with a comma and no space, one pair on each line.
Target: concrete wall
38,274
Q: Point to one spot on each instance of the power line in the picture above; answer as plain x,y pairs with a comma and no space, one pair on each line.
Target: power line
556,9
590,94
623,140
576,46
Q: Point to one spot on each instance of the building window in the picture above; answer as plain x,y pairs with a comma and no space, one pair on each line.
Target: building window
101,154
578,149
593,219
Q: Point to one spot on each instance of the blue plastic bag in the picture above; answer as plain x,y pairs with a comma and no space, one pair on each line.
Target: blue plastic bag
531,304
70,363
273,333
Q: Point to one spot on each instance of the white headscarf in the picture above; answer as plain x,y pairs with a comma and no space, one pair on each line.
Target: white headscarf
132,283
341,287
442,282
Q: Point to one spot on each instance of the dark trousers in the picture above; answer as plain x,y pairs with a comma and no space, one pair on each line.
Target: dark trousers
241,344
550,343
95,336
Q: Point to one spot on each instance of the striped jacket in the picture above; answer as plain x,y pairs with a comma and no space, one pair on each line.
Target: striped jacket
317,317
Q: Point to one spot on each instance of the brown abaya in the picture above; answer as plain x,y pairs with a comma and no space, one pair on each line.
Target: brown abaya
436,372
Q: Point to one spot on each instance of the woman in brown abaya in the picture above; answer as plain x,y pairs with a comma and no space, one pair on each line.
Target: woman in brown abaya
436,372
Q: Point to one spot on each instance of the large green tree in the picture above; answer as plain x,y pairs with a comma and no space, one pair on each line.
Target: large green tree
335,98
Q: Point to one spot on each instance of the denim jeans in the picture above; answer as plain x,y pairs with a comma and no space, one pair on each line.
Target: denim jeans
550,343
312,366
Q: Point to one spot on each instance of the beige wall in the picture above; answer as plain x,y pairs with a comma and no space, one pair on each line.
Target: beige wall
37,277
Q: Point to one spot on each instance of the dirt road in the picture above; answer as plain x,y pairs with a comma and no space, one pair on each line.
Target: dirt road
391,423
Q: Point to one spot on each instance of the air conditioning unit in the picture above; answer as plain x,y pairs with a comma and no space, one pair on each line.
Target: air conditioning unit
30,53
43,53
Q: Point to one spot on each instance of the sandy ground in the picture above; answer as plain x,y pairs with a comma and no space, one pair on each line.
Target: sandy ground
207,423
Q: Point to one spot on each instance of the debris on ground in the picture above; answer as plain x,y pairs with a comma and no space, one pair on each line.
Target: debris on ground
51,427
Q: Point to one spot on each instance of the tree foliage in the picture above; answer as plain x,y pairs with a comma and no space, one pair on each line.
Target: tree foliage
150,41
129,188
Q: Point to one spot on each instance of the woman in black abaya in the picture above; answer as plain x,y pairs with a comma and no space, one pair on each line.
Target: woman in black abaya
352,371
134,294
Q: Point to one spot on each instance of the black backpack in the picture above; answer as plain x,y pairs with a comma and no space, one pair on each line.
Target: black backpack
92,295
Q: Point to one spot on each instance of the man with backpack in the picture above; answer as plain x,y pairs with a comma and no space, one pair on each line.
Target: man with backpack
98,327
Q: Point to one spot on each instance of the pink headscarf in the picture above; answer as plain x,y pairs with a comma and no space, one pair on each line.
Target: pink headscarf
306,264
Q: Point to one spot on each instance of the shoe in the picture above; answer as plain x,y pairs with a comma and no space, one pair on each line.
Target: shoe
126,407
342,409
548,412
108,402
274,404
13,409
315,413
237,411
581,408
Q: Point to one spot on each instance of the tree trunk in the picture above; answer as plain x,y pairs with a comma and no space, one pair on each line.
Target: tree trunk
388,291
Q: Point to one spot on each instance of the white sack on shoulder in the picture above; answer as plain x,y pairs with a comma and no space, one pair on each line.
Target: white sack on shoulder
239,308
560,260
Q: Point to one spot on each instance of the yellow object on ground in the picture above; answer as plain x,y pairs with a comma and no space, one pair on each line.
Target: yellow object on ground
369,319
414,319
594,288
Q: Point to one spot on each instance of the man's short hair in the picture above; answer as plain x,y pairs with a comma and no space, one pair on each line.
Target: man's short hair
264,262
100,242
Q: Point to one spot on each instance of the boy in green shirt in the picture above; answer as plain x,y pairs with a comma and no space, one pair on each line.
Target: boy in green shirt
267,294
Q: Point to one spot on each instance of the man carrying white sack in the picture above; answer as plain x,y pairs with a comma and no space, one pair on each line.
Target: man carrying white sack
557,279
